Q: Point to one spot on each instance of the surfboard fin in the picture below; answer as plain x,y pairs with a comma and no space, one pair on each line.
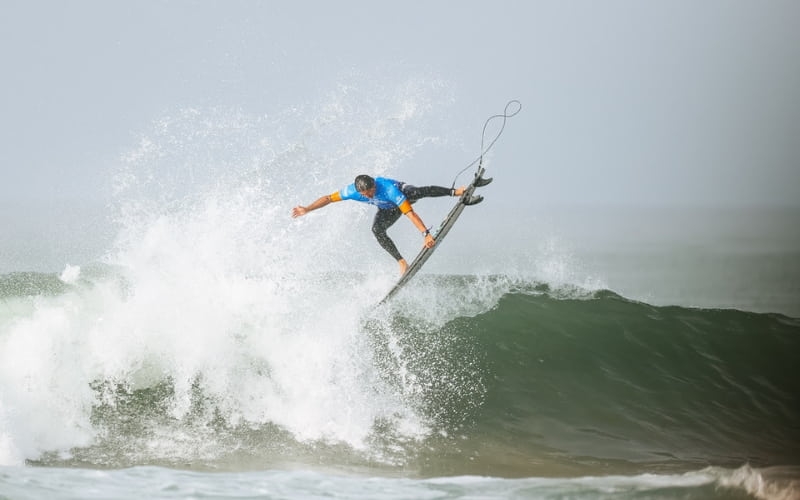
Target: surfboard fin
473,200
480,182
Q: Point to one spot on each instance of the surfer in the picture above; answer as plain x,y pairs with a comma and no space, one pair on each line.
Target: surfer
393,199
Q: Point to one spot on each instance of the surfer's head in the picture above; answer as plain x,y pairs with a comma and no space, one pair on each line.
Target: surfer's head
365,185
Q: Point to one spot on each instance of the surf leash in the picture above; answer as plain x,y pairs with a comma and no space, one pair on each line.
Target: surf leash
505,116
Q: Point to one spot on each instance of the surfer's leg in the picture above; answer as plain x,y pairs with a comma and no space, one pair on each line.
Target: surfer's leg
414,193
383,221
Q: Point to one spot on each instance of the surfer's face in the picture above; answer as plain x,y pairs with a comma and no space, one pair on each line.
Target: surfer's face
369,193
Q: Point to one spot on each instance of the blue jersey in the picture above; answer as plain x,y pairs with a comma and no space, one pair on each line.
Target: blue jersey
388,194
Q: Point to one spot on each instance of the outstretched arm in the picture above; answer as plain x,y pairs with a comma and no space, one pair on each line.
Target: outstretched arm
300,210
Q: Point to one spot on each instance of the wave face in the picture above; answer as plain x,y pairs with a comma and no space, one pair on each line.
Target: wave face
538,382
580,380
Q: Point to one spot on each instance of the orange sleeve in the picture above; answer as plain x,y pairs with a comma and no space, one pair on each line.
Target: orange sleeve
405,207
335,196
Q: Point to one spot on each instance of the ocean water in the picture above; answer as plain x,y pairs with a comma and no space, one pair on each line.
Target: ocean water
195,342
500,389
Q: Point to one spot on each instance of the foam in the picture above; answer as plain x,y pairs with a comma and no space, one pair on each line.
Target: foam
213,287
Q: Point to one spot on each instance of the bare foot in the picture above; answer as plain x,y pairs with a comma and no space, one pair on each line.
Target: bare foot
403,266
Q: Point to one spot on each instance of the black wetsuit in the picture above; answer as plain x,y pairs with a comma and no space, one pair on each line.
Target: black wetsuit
388,216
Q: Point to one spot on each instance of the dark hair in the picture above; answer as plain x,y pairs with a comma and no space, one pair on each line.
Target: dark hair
364,182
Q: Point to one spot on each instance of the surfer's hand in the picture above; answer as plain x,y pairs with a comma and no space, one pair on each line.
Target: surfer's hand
299,211
429,241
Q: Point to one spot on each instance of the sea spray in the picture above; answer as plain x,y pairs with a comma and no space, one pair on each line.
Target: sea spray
216,311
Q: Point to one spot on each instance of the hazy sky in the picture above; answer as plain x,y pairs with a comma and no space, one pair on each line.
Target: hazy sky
685,102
